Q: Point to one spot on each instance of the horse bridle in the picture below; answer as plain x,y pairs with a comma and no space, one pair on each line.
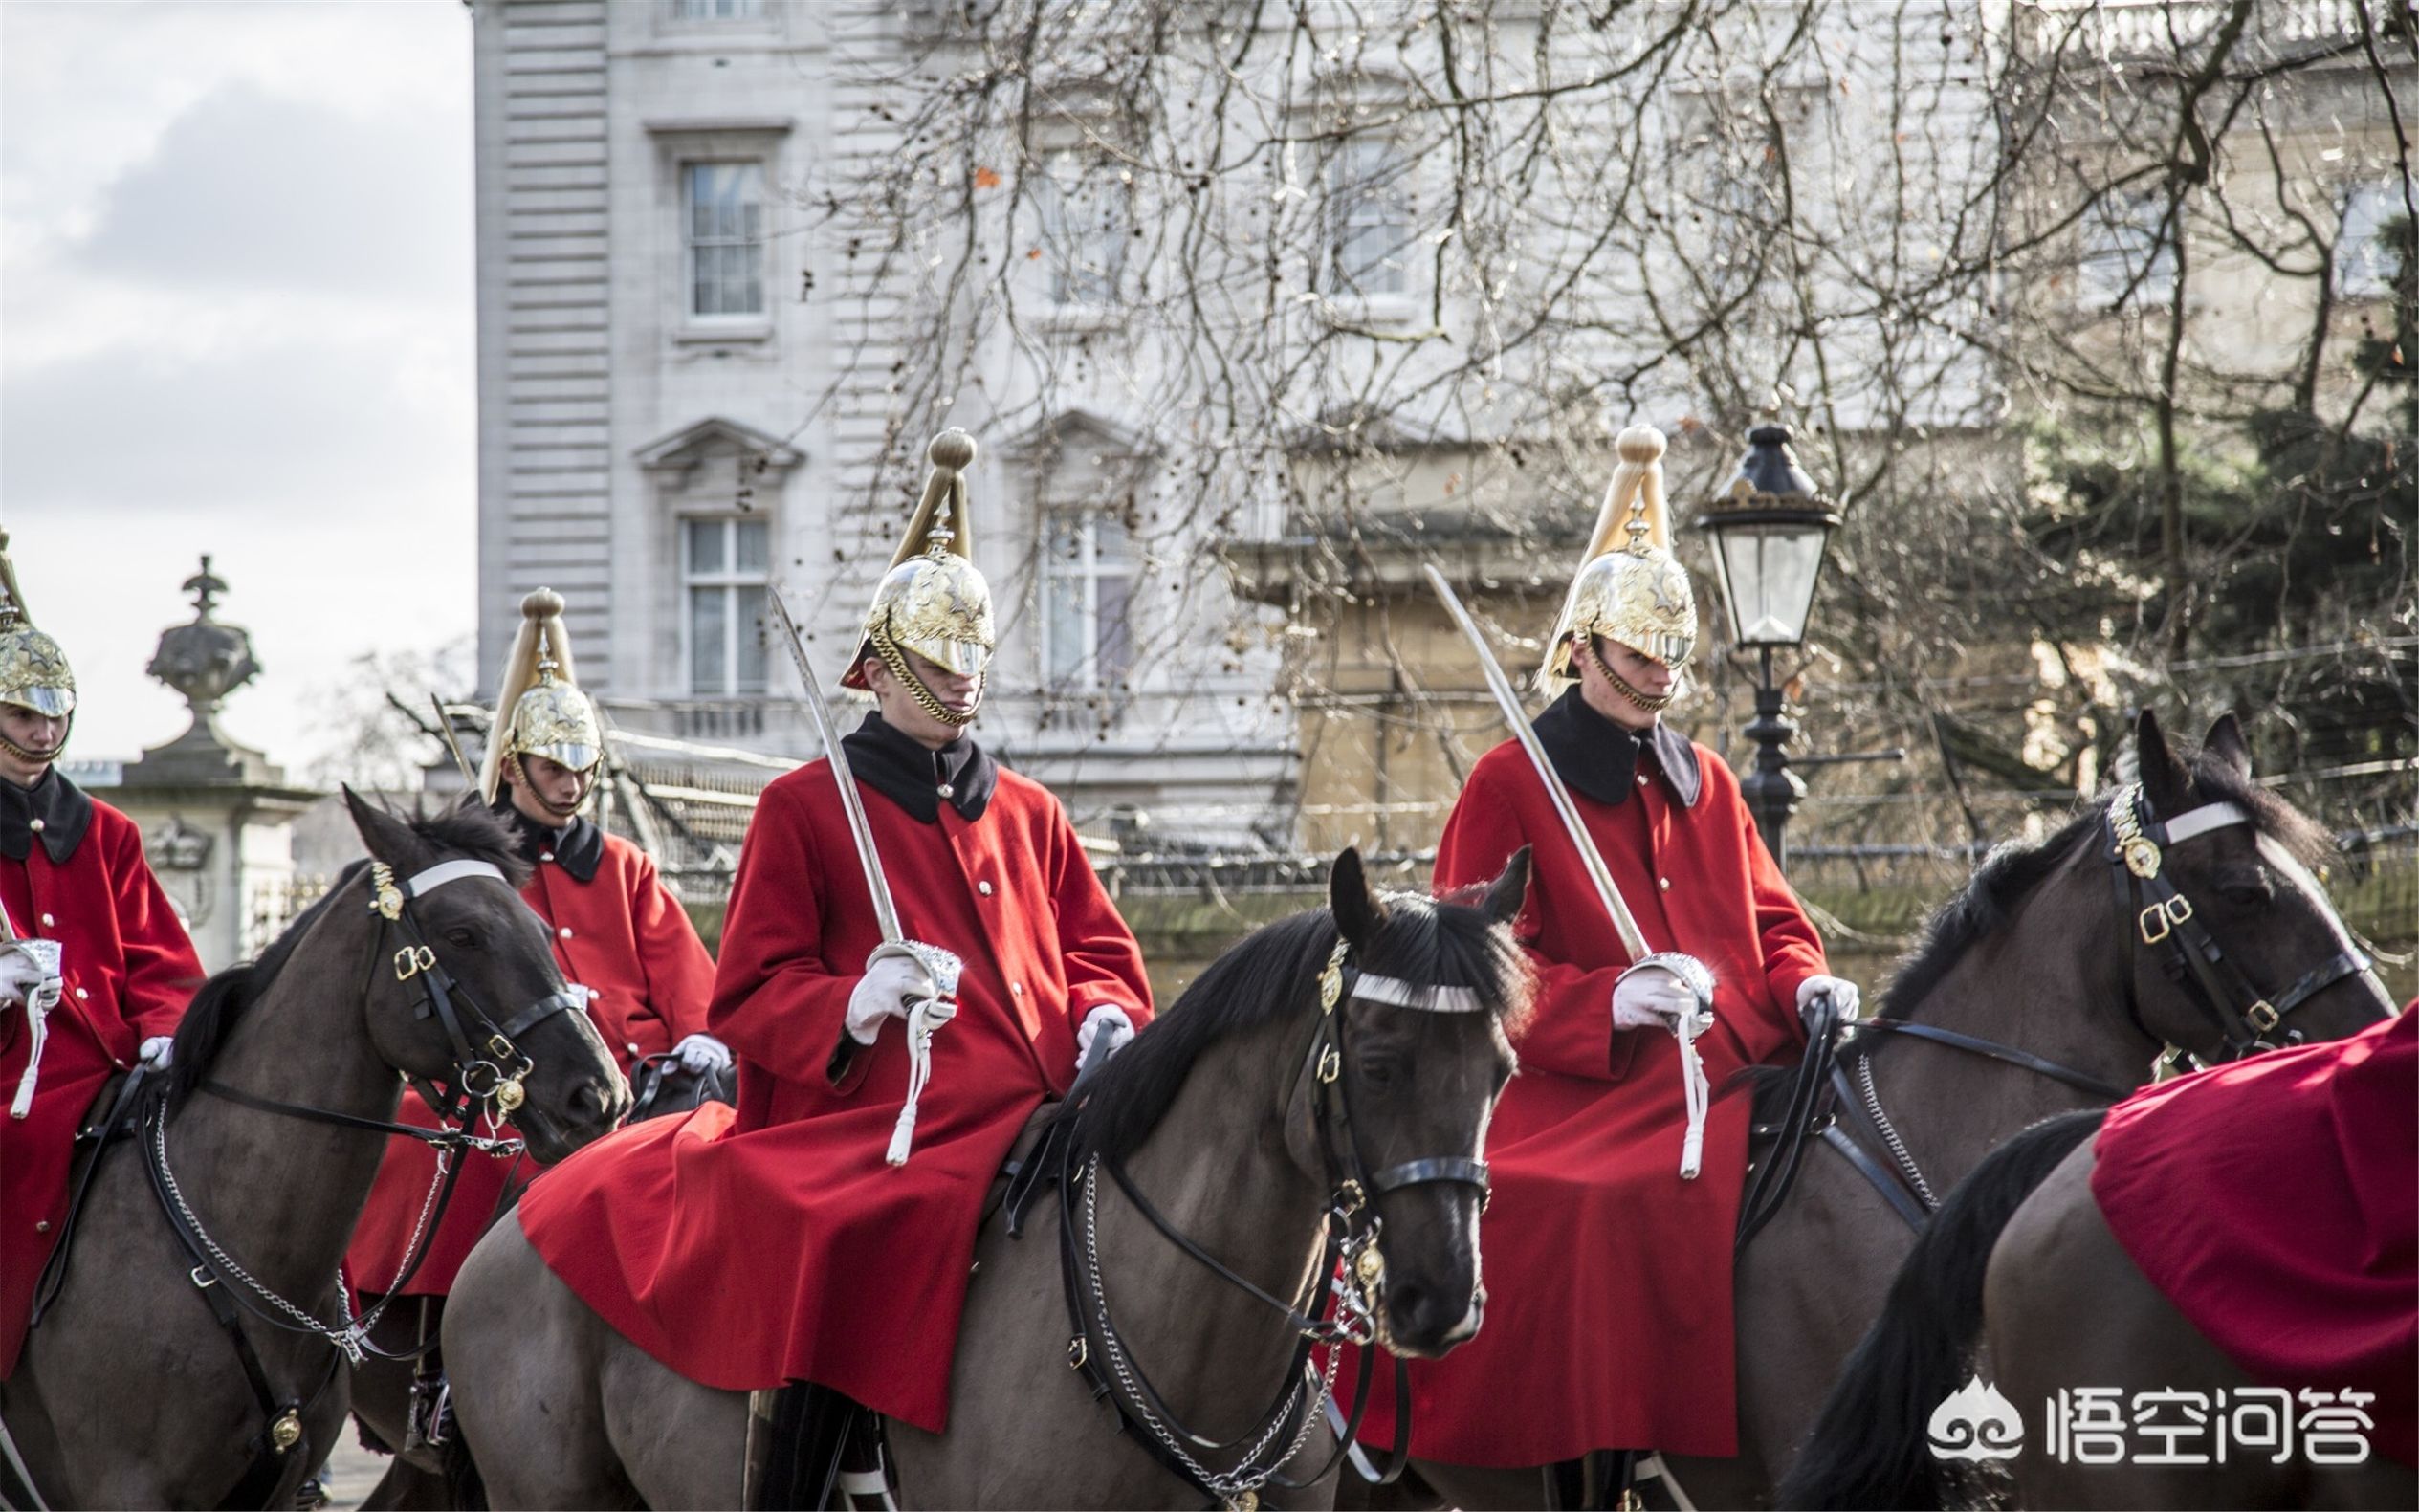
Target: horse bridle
486,1084
2158,914
1351,1265
2151,912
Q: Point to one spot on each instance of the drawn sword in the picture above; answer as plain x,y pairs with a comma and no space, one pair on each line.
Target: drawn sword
1690,970
930,1013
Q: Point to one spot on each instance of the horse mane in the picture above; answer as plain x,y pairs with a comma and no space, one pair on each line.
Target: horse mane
1273,975
464,828
2009,873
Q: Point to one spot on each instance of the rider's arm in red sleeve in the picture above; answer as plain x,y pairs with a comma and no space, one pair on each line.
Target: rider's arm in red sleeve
775,1003
1786,939
1570,1031
1104,964
162,970
679,973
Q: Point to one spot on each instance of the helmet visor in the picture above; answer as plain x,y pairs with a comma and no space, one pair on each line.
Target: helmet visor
965,658
580,758
56,702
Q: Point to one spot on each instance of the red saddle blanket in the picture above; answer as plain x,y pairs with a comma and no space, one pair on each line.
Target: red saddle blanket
2275,1202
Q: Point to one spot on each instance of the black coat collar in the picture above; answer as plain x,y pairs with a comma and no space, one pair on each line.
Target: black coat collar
578,847
61,808
1596,756
917,778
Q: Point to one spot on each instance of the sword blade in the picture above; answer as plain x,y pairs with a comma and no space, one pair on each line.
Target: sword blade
461,762
886,913
1507,700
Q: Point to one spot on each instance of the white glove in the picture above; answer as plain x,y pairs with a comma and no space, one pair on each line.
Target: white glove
700,1053
1843,996
28,975
157,1052
1652,996
1105,1018
893,984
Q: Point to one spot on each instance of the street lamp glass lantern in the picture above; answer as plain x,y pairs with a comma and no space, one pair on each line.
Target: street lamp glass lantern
1769,532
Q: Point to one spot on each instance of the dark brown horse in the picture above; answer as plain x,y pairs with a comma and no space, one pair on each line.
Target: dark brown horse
2044,954
1211,1112
131,1391
2021,1253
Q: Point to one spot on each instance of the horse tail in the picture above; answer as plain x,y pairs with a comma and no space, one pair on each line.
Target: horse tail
464,1487
1869,1446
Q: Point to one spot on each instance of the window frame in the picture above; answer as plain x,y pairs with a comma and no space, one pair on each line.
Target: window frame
1089,572
729,579
1052,208
2107,262
1357,160
2365,270
691,317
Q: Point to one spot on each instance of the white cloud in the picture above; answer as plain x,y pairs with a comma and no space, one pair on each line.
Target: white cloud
238,319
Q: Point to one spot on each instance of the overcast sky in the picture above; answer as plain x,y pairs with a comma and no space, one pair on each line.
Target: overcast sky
236,316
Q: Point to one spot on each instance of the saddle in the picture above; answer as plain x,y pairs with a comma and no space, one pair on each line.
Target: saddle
114,1116
810,1447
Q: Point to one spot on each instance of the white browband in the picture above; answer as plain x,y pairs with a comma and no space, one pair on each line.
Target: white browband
437,876
1395,992
2201,821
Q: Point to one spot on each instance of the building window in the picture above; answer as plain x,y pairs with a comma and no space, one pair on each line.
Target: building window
1086,205
1087,591
2125,248
716,10
725,220
724,565
1369,209
2363,253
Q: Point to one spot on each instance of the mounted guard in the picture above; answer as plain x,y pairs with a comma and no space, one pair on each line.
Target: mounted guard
620,938
95,969
1609,1244
814,1234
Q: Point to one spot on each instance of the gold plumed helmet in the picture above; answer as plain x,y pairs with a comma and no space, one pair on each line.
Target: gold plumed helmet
1633,590
539,709
933,600
33,671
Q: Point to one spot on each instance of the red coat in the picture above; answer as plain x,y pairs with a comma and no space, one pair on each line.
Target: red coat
623,936
2275,1200
1608,1277
129,972
746,1247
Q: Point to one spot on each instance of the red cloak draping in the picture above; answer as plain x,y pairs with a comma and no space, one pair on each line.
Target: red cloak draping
129,972
2275,1202
1608,1277
770,1242
621,935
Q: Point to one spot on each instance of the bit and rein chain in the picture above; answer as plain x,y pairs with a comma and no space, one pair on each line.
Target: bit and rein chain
1351,1266
2152,912
486,1087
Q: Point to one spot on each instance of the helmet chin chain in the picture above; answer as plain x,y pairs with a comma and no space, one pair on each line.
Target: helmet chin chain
1585,645
512,763
39,758
896,661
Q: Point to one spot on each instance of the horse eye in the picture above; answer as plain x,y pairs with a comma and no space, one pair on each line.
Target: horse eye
2251,887
1379,1070
463,936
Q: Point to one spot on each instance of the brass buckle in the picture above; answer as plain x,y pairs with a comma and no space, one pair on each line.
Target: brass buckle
1330,1065
2262,1017
1349,1199
1077,1352
2179,909
413,959
2158,913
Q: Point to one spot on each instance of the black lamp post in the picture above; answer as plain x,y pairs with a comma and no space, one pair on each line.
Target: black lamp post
1770,529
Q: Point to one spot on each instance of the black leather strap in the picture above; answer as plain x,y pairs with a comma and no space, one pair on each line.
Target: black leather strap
1442,1167
2080,1081
1903,1203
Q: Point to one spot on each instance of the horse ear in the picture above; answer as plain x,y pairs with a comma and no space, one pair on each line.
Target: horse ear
1357,910
1508,893
2227,744
383,835
2165,781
